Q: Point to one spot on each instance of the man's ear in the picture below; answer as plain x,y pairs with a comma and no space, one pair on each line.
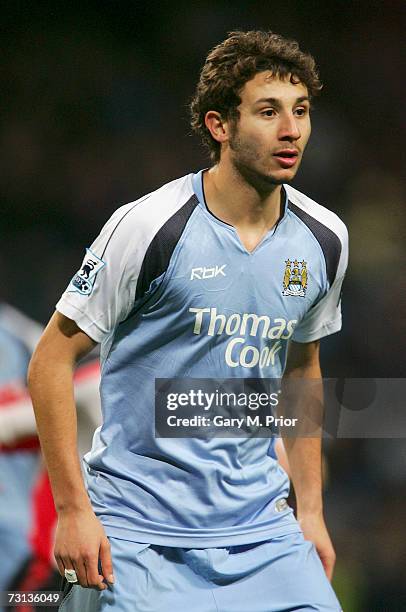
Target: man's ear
218,128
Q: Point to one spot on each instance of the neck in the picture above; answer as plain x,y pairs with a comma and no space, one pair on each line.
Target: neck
237,200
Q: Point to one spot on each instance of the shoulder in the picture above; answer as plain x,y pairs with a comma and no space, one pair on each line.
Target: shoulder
156,206
137,222
326,226
304,206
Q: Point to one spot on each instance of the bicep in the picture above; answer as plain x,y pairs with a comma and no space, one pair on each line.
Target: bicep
303,359
63,340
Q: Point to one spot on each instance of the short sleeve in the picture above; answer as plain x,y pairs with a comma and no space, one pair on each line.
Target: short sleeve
101,293
324,318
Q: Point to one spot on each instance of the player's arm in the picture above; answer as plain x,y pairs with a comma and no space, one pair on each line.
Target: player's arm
304,452
80,537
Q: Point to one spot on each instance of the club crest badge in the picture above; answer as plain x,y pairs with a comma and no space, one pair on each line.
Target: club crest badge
84,279
295,278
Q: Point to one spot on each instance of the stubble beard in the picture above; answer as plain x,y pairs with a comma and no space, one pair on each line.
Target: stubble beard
246,159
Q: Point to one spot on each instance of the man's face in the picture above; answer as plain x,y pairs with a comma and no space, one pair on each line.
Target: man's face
266,144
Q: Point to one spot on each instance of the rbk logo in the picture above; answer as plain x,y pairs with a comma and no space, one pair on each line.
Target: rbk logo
203,273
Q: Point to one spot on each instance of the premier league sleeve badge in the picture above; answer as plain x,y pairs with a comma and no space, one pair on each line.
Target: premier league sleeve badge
83,280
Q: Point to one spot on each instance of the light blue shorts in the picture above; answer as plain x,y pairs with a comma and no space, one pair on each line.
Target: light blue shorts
279,575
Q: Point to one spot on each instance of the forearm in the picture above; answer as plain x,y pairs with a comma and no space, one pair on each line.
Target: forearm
51,386
303,448
303,398
304,456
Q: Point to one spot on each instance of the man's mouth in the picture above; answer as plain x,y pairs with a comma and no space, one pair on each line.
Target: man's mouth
287,157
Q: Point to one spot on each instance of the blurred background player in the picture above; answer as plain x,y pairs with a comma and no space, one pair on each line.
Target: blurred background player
19,447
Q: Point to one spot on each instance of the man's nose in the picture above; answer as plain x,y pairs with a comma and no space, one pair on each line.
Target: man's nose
289,129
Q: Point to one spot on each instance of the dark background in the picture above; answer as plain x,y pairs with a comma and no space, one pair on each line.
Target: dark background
94,114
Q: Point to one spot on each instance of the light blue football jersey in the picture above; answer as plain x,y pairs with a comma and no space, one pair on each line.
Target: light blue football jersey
169,291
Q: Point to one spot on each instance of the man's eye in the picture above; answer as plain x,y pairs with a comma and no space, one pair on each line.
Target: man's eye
301,111
269,112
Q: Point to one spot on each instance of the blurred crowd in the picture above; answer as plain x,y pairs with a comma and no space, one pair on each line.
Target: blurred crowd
95,114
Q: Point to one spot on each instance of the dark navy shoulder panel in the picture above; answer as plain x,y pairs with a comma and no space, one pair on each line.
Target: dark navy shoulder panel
159,252
328,240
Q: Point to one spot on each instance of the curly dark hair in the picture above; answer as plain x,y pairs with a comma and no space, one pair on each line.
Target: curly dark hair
237,60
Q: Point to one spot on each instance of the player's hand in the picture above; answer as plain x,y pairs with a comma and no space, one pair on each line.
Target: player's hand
79,544
315,530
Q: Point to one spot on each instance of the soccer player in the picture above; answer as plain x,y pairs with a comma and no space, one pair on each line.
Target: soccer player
228,272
